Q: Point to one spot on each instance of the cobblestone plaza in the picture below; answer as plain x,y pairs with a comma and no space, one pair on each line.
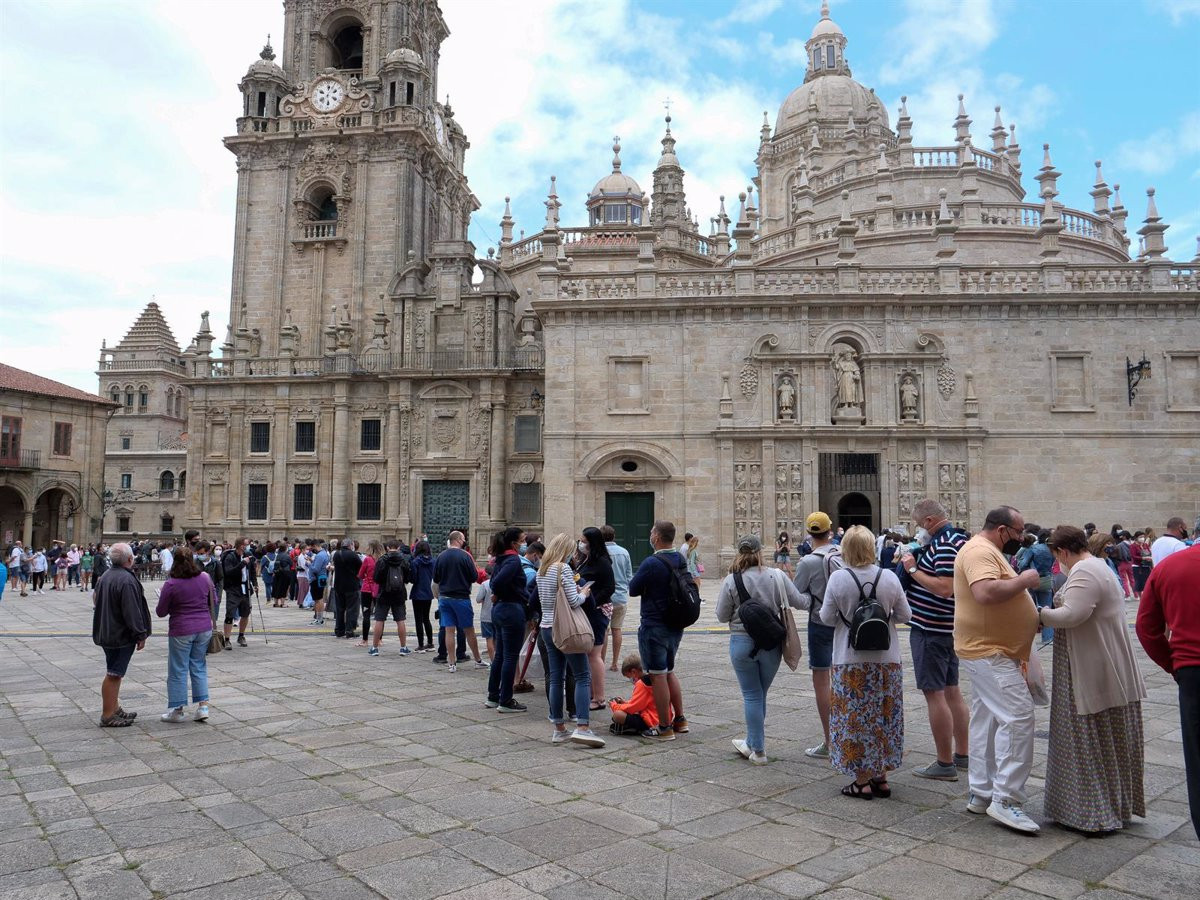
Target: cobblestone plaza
324,773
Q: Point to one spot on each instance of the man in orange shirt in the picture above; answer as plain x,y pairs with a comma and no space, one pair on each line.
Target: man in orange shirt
995,620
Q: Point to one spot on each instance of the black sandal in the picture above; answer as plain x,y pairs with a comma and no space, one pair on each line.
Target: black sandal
880,788
858,791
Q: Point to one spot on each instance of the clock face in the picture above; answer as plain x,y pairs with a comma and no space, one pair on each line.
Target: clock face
440,128
327,95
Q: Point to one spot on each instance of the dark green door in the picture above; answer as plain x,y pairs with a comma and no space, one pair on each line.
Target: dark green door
632,517
445,507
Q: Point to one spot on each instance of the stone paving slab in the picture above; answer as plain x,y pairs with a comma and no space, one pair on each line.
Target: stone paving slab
326,773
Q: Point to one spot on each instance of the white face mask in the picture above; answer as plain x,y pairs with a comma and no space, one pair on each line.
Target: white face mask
583,547
923,537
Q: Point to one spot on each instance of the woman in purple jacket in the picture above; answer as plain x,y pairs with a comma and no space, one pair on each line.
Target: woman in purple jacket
187,597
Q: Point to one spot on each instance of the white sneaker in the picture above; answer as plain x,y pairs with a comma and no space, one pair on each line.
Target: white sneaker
559,737
201,713
758,758
1013,816
174,715
587,737
821,751
978,805
451,668
743,748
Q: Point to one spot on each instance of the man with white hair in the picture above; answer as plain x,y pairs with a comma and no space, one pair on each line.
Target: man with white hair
120,624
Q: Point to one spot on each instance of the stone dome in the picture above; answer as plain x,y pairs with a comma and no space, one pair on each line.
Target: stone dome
837,96
616,184
825,26
265,67
404,55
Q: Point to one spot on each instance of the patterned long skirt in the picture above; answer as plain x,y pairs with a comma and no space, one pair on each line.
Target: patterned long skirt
866,717
1094,766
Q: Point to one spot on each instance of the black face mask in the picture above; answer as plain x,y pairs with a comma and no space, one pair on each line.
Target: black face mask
1010,547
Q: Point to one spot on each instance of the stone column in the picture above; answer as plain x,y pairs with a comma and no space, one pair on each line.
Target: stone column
340,474
27,529
235,496
496,473
280,507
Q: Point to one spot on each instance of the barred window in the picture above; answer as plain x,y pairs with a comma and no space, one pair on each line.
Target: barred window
306,437
126,443
302,502
372,434
122,523
167,524
126,481
370,498
260,437
527,503
256,502
528,437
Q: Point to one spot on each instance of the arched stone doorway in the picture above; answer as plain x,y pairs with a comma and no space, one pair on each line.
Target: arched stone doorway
12,516
53,517
854,509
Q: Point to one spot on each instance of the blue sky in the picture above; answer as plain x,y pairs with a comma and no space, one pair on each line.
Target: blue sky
114,186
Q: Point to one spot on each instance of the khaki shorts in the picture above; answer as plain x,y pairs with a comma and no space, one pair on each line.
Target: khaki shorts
618,616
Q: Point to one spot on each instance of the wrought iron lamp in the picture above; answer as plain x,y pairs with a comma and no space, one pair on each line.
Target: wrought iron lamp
1134,373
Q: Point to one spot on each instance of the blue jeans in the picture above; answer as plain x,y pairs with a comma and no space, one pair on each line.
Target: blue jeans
754,677
508,625
1045,600
186,655
583,680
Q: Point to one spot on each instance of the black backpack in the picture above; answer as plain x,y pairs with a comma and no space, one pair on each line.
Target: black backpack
869,628
397,575
762,621
683,597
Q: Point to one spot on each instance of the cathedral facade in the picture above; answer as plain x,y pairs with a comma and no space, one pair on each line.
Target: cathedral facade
877,322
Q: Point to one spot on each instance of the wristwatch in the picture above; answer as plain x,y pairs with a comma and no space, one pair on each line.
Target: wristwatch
912,570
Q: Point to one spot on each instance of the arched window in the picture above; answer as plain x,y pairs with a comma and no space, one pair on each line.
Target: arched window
327,210
179,405
143,398
182,482
348,47
115,393
166,481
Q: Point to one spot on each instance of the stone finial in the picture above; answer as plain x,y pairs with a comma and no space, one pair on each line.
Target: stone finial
204,329
999,135
552,205
883,160
1151,207
962,123
845,206
616,147
943,207
1048,175
506,225
1100,193
1154,229
765,131
267,53
814,144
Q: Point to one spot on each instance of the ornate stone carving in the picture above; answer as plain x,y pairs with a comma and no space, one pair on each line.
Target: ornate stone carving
785,395
445,429
524,474
847,379
946,380
748,380
910,397
368,473
918,477
256,473
173,442
303,473
944,482
216,474
739,478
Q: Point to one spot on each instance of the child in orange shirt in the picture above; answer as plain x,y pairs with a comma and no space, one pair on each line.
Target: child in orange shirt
639,712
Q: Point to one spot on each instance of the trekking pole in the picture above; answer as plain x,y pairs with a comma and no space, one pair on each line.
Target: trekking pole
261,619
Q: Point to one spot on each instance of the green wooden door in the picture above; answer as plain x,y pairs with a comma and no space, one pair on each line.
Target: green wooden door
632,516
445,507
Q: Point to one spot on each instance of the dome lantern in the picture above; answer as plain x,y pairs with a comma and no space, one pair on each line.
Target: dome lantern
826,47
616,199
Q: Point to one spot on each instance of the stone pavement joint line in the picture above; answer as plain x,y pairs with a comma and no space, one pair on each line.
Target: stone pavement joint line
326,773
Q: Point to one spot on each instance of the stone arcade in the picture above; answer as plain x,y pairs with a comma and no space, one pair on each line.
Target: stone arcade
884,322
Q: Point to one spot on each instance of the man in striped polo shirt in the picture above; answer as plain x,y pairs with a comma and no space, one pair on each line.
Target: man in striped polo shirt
928,577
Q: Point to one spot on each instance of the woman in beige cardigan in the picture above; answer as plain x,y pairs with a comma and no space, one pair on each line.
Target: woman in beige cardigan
1094,765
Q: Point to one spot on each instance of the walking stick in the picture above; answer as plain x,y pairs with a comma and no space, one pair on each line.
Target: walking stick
262,621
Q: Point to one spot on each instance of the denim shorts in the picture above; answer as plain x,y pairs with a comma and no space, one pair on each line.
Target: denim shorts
657,645
116,659
454,612
934,661
820,645
486,630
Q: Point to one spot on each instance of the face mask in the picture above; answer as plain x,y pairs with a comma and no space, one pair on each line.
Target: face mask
923,537
447,543
523,548
583,548
1010,547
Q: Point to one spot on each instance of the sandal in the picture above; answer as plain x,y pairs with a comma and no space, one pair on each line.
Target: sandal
595,705
881,788
858,791
115,721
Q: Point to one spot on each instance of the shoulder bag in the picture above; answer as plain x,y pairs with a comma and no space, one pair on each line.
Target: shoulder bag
572,630
792,650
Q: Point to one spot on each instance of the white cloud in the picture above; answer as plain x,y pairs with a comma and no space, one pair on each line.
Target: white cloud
1177,10
1162,150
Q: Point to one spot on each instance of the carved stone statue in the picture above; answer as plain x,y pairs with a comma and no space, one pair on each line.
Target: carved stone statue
787,399
909,397
848,378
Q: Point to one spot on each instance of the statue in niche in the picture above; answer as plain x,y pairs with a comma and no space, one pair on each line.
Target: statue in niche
797,478
919,477
781,478
740,504
739,478
848,377
755,477
787,398
944,477
909,397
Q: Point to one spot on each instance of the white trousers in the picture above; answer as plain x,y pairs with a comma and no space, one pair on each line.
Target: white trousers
1001,729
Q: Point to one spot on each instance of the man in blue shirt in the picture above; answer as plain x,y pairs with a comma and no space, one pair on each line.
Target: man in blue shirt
622,574
318,578
454,574
657,643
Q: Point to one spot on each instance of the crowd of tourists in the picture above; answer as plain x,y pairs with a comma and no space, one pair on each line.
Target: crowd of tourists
984,603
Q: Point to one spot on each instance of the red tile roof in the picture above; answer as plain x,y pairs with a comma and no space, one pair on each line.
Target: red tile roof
13,379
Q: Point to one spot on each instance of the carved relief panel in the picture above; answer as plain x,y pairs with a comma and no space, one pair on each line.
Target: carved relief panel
748,487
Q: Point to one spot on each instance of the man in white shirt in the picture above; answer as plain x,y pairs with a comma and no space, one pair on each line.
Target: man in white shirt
166,559
622,575
1170,542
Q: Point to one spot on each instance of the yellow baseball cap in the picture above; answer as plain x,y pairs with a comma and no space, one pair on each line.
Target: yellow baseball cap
818,523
